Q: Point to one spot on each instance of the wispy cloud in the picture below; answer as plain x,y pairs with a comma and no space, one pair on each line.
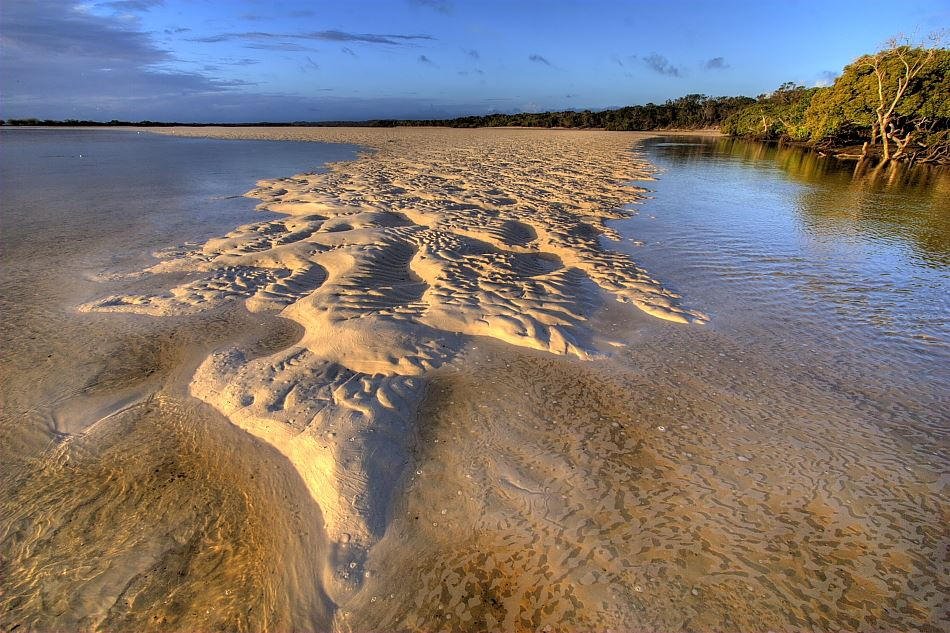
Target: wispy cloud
716,63
440,6
47,31
538,59
244,61
132,5
346,50
366,38
424,60
291,47
826,78
328,36
474,54
661,65
210,39
61,59
620,62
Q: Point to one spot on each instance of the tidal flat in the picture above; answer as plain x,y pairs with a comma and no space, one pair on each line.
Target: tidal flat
471,380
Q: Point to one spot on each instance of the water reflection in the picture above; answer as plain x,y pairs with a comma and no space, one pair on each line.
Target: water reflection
159,515
898,202
780,469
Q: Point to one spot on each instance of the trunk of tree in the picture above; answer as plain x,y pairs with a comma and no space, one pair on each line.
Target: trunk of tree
883,122
887,105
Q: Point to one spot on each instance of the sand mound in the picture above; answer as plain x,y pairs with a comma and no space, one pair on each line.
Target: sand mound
388,263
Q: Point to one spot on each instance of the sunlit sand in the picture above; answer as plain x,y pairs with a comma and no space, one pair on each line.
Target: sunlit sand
438,391
390,263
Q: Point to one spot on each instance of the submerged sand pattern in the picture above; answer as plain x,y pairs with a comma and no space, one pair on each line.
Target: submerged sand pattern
783,470
389,262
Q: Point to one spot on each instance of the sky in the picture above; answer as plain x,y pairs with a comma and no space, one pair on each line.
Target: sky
267,60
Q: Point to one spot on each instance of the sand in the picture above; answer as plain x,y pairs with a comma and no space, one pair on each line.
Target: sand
391,264
413,401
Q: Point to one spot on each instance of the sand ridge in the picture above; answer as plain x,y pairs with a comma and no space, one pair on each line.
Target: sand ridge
389,262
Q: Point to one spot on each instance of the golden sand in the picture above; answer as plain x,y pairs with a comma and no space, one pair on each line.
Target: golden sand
445,431
388,263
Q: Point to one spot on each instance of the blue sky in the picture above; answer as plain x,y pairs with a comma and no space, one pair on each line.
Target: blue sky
252,60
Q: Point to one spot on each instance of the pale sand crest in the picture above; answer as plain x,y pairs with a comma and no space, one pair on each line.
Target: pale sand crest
389,262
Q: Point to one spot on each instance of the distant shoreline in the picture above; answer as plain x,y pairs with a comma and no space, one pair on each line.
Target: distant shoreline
703,131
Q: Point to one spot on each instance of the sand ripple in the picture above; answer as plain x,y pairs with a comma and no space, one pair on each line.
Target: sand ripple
389,263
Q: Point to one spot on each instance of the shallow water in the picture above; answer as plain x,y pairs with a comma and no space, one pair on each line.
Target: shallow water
124,503
79,208
782,467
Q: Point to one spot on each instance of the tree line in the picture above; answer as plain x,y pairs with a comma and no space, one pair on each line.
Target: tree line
893,104
694,111
691,112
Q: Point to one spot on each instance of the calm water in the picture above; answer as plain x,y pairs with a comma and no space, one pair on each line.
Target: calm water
808,252
816,244
153,518
76,192
783,467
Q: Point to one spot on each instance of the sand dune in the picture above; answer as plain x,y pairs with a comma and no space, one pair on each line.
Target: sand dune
390,263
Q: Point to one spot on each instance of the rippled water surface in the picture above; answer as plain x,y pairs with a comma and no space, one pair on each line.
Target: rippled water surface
124,503
782,467
833,251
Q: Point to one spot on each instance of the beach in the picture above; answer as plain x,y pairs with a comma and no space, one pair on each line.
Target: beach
389,265
435,388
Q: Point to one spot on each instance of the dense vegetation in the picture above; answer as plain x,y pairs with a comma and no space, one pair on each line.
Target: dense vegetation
894,104
690,112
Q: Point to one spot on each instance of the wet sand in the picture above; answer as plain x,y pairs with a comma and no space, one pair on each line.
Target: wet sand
390,264
455,425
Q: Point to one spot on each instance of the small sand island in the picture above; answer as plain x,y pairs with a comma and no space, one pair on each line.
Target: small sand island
390,263
433,349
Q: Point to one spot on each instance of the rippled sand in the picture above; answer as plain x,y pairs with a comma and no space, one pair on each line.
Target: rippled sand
389,263
450,385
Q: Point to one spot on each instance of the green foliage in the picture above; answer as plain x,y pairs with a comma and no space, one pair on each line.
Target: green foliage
898,98
780,114
691,112
849,108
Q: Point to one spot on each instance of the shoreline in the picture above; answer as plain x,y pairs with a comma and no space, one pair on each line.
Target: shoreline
280,126
692,479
